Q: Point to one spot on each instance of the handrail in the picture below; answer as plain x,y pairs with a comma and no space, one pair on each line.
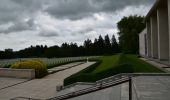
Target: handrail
133,75
107,82
90,89
79,83
137,97
27,98
109,78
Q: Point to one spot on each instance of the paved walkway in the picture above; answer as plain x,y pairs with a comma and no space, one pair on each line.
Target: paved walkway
151,88
118,92
163,67
7,82
63,67
143,88
41,88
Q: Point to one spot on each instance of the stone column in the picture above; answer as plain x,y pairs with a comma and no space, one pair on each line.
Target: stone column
168,4
148,38
163,32
154,35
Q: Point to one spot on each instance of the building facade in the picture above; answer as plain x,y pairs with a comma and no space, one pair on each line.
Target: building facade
154,41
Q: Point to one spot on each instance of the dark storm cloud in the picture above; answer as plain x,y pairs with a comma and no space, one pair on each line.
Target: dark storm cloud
20,26
8,11
48,33
76,9
46,21
16,10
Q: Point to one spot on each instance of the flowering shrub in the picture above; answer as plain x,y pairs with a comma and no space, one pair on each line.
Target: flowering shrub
37,65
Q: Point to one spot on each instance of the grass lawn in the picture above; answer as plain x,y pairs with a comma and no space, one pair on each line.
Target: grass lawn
110,65
139,65
107,62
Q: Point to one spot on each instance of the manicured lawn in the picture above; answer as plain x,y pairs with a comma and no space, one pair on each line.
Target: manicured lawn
139,65
111,65
107,62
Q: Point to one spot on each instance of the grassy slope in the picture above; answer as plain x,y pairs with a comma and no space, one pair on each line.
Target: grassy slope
111,65
138,64
107,62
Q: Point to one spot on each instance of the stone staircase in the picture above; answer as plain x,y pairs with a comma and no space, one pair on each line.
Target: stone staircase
117,87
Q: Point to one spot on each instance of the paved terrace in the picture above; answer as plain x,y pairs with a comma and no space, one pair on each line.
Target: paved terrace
163,65
119,92
144,87
151,88
63,67
40,88
7,82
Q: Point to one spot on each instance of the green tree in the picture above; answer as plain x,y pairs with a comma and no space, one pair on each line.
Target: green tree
101,45
107,44
88,46
129,28
114,45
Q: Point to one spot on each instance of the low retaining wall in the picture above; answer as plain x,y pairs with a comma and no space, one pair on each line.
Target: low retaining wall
17,73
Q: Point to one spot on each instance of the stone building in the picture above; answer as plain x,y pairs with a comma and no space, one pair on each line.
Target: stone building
154,41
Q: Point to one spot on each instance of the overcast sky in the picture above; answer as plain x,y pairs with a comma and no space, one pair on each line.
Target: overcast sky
52,22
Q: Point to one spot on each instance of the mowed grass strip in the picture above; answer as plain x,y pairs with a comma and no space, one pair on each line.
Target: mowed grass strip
138,65
108,66
107,63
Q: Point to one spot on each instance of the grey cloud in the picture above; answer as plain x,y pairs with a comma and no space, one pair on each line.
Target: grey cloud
20,26
86,30
14,10
83,31
30,5
76,9
9,11
54,27
48,33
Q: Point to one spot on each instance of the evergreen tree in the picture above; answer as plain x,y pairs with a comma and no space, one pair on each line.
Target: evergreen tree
114,45
107,44
88,47
101,45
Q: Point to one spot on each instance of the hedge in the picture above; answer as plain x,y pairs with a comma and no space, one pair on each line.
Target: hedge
83,76
125,64
37,65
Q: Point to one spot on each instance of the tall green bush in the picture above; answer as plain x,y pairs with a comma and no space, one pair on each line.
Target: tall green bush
37,65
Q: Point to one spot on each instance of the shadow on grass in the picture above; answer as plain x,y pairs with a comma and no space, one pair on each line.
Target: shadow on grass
126,64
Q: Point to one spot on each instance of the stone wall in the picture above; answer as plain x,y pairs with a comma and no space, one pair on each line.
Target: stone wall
17,73
142,46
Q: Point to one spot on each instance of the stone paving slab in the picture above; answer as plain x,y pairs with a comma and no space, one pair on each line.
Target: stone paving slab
41,88
118,92
125,91
168,69
71,64
152,87
112,93
6,82
72,89
63,67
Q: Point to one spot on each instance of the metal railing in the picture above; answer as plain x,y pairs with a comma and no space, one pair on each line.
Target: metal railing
78,83
24,98
108,82
101,84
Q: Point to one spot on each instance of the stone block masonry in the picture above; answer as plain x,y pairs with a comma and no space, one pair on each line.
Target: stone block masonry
17,73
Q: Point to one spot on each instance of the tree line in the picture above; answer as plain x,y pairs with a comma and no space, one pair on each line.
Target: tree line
100,46
128,30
